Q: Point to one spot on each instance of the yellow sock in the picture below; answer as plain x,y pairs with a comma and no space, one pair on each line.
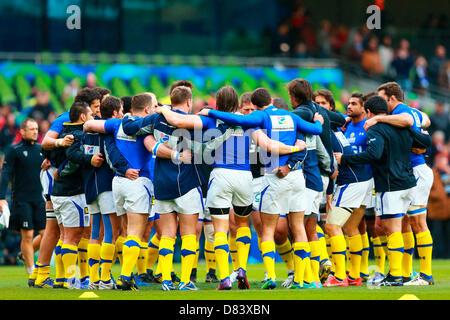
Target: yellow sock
329,252
141,264
42,272
165,259
130,254
233,252
152,254
308,275
425,250
384,246
348,255
395,247
173,249
210,256
243,240
408,240
268,254
286,253
94,261
158,267
315,259
356,246
34,274
197,252
222,251
107,251
119,248
59,265
188,252
323,244
83,258
379,253
364,272
302,253
338,249
69,254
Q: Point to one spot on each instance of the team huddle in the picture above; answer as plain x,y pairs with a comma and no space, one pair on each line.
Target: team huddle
123,177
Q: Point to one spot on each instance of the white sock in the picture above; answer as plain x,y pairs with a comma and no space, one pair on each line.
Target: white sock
29,269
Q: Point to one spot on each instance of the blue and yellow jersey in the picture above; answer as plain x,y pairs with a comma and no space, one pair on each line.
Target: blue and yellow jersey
416,159
234,153
131,147
173,179
348,173
356,136
280,125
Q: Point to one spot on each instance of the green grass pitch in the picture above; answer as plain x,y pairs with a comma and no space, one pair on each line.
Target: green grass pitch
13,286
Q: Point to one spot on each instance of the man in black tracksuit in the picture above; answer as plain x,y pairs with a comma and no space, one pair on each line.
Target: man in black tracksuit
22,166
388,152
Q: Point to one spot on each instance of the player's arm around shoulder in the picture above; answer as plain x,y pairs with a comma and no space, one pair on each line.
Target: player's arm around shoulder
95,126
401,120
276,147
183,121
374,151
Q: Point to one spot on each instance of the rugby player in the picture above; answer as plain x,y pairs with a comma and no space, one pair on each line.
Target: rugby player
317,174
353,194
173,200
403,116
276,196
356,136
229,184
132,197
388,149
68,197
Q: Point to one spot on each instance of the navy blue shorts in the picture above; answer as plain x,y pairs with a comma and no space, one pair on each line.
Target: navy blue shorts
27,215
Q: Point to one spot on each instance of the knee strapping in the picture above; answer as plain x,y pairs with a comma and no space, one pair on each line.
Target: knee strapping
208,229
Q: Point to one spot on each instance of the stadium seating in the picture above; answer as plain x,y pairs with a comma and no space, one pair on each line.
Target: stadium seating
133,74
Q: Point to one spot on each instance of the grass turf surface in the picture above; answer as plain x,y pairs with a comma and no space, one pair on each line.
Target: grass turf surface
13,286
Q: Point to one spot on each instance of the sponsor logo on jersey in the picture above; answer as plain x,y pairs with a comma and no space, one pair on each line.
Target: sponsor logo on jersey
164,138
91,149
282,123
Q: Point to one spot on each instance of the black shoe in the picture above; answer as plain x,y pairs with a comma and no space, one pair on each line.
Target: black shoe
194,275
406,279
126,285
31,282
151,276
390,281
144,279
175,279
157,278
211,276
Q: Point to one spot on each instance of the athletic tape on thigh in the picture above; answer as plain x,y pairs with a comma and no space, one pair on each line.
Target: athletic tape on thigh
339,216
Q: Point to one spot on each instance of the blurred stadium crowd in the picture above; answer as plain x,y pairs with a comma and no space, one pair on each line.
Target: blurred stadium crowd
380,53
